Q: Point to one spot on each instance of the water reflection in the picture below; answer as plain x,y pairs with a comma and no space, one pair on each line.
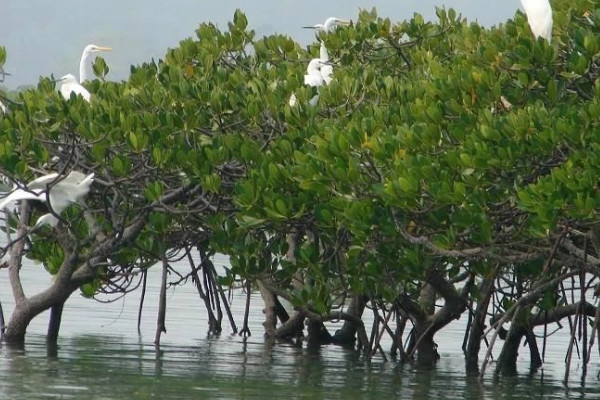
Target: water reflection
101,356
117,367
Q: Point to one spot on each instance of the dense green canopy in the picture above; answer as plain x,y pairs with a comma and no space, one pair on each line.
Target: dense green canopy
438,146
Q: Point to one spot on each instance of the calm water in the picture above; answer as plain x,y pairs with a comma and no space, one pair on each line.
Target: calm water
101,356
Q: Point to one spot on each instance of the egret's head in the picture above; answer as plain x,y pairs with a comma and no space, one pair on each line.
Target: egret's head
337,22
68,78
330,24
92,48
333,22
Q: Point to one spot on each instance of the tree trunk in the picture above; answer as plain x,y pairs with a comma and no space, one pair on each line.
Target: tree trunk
477,327
427,353
270,309
317,333
2,324
162,303
507,361
54,323
18,323
346,336
293,327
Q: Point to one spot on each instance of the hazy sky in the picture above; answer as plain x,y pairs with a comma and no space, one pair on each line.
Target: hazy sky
47,37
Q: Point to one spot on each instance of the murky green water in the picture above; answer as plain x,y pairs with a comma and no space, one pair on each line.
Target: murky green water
105,367
101,356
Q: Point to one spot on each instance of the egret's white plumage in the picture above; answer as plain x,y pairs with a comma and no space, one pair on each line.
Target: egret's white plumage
327,69
313,75
320,72
2,108
70,85
87,52
314,78
58,191
539,17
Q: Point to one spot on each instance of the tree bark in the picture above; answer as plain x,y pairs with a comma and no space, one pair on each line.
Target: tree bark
2,324
426,323
54,323
270,310
477,328
507,361
162,304
317,333
346,336
292,328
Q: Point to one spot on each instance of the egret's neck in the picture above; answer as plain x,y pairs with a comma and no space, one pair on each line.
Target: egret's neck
83,76
323,54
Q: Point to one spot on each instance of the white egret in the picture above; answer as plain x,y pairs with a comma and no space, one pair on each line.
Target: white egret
70,85
59,191
2,108
313,78
329,25
87,52
314,75
539,16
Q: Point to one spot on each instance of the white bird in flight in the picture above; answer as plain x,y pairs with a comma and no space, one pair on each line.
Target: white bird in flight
59,192
87,52
539,17
70,85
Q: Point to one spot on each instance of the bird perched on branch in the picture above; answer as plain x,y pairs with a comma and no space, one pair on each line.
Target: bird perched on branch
314,78
70,85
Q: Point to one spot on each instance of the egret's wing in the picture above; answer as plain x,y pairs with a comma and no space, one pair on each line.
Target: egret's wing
84,186
68,88
87,180
326,73
21,194
70,190
61,197
42,181
313,79
74,177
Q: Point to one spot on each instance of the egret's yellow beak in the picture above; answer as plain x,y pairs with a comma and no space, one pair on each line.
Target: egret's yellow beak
344,22
102,48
